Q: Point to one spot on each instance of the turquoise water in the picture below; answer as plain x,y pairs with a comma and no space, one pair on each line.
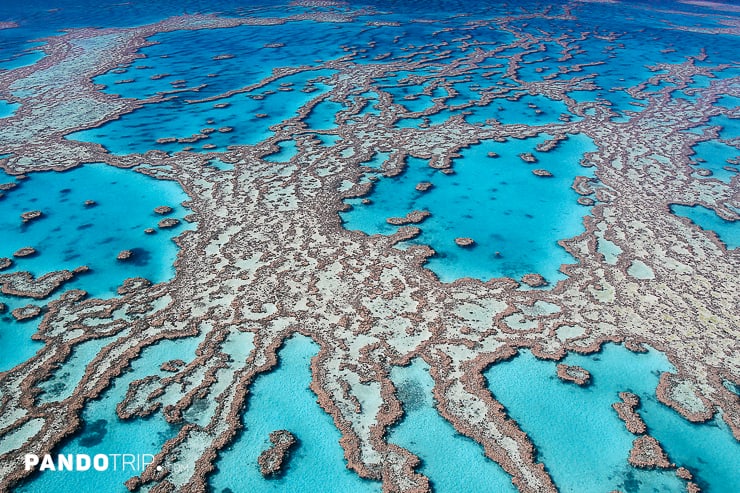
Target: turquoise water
322,116
463,466
531,110
278,400
7,108
730,127
715,156
70,235
376,162
420,101
699,82
25,55
286,150
498,202
63,382
369,99
328,140
220,165
22,59
582,441
16,335
104,433
729,102
728,231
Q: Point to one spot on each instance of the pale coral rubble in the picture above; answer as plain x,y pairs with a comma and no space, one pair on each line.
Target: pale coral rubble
26,312
170,222
124,255
24,284
31,215
543,173
534,280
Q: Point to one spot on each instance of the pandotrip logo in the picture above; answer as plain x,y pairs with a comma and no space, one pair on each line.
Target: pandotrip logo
84,462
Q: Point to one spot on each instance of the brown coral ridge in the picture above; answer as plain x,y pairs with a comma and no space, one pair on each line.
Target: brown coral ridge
24,284
464,242
26,312
534,280
413,217
170,222
31,215
172,366
692,487
572,373
677,393
464,399
646,453
124,255
272,460
369,306
626,410
582,185
25,252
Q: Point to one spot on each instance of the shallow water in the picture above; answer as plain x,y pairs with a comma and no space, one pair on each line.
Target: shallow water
463,466
103,433
582,441
715,156
727,231
69,235
8,109
279,400
515,217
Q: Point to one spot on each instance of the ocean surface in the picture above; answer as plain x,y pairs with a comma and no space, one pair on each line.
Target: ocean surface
70,234
585,444
517,219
